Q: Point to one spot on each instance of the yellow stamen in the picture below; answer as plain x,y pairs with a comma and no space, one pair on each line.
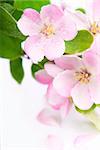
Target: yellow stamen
48,30
95,28
82,76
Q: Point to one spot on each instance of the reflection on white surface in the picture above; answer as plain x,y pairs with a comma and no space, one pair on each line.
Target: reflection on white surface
20,105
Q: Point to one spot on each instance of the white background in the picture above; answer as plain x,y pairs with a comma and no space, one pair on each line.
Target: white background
20,105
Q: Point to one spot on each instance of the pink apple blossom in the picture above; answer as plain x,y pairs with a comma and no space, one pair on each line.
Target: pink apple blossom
46,32
91,21
80,80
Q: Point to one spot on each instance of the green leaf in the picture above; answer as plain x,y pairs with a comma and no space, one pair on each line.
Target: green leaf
37,67
8,24
17,14
10,47
85,111
16,69
8,7
36,4
80,43
7,1
81,10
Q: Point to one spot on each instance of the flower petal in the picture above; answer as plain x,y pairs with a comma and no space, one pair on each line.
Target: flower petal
81,96
96,45
68,62
48,117
65,108
54,143
94,88
54,47
52,69
82,20
28,23
54,98
83,139
66,28
64,82
51,13
92,62
42,77
34,48
93,9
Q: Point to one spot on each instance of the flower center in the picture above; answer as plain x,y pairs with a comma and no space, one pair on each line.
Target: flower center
48,30
83,76
95,28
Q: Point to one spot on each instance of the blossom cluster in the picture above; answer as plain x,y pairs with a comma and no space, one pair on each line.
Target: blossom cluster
71,79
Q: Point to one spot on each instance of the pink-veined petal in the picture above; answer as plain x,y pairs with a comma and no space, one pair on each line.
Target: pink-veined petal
49,117
94,88
68,62
53,98
42,77
64,82
51,13
52,69
33,47
81,96
54,47
28,23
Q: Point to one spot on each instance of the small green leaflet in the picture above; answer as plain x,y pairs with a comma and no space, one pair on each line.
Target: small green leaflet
37,67
17,70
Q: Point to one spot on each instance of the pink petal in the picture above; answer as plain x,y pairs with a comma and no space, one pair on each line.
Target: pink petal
66,28
83,139
53,98
52,69
96,45
34,48
42,77
32,15
64,82
54,143
81,96
48,117
94,88
54,47
68,62
28,23
92,62
65,108
93,9
82,20
51,13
